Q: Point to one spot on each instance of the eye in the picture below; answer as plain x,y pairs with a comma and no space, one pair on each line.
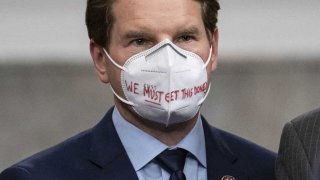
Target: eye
185,38
138,42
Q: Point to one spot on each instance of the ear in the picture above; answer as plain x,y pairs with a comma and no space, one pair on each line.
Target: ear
215,45
99,61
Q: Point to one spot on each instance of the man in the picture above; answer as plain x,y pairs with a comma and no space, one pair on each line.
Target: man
158,56
299,149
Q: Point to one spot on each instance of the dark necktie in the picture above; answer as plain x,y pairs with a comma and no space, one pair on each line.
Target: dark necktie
173,162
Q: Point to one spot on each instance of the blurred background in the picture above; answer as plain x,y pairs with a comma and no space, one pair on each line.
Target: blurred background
269,72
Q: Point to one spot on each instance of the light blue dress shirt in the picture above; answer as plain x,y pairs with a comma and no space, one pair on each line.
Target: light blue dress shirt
142,148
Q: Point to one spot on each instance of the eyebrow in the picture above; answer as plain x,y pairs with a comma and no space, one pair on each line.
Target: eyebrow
136,34
189,30
132,34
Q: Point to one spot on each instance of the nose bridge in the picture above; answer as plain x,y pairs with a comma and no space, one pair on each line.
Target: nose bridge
166,54
172,54
161,56
171,47
164,37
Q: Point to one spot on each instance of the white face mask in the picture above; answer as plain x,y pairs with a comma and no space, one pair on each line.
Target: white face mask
165,83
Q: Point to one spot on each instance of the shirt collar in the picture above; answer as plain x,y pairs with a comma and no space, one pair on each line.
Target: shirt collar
142,147
194,142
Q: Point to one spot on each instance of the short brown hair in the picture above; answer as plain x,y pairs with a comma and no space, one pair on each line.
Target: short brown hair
99,18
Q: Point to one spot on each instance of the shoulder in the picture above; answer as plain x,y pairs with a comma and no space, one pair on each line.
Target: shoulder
255,160
246,149
306,122
299,145
58,158
303,130
15,173
78,157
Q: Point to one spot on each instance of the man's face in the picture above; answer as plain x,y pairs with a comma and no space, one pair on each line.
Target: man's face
141,24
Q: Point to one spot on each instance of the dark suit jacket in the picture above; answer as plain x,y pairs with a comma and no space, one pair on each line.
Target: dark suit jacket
98,154
299,148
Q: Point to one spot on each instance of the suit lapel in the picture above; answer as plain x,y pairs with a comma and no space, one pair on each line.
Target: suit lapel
108,153
221,161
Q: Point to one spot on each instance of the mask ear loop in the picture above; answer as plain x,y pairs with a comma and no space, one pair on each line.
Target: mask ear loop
209,58
114,62
122,68
121,99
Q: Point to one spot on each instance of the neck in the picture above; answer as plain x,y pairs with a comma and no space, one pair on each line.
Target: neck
170,135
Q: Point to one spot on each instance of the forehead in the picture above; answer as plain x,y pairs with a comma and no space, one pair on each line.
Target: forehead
158,13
